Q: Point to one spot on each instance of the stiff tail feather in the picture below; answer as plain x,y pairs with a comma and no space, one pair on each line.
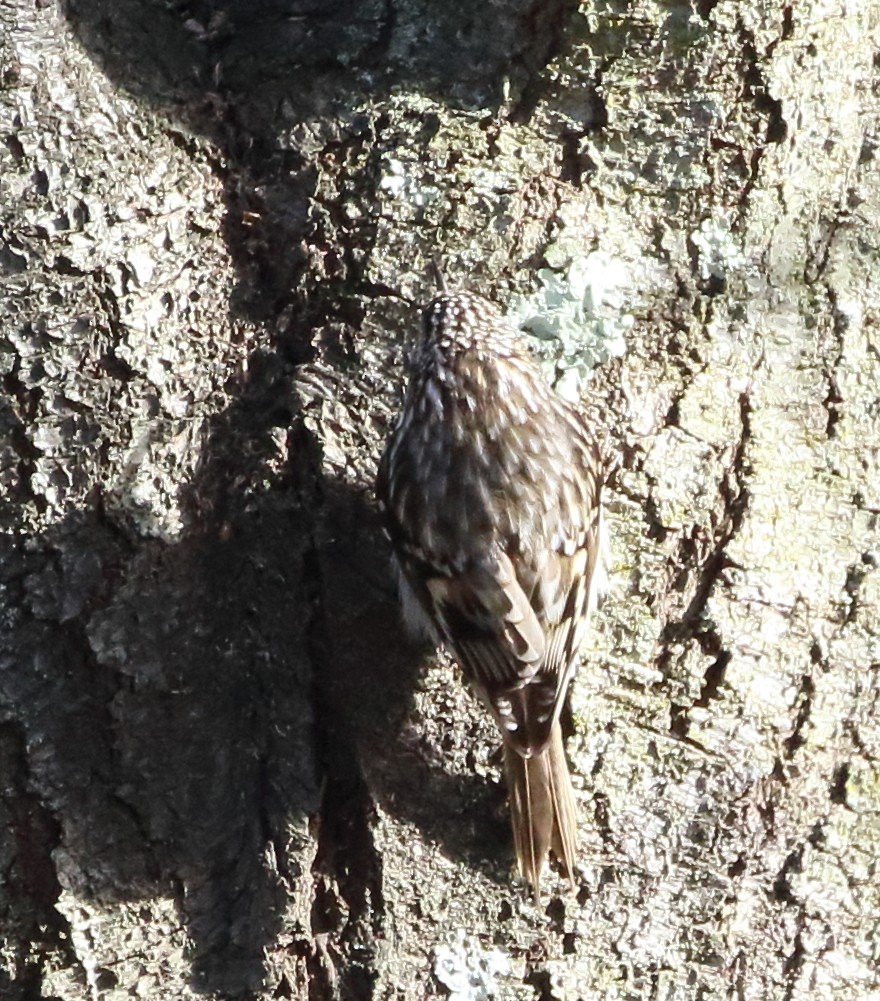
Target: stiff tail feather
542,808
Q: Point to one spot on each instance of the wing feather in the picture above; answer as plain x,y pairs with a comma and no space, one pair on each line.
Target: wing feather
516,632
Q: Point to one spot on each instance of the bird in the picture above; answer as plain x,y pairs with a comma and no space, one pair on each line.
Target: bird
490,487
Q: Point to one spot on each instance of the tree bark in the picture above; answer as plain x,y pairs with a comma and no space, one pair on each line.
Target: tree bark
226,772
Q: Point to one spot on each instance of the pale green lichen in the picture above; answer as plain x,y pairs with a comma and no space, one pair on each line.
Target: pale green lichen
578,313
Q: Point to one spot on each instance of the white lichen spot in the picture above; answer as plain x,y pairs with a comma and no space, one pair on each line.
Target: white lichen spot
717,252
851,310
141,264
399,184
468,970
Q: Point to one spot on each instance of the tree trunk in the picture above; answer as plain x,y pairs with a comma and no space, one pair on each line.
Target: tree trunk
226,772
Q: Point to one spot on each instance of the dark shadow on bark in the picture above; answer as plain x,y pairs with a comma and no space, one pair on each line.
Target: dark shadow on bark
163,696
173,698
277,84
319,57
371,670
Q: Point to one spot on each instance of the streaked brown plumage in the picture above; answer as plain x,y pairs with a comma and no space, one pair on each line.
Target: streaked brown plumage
491,485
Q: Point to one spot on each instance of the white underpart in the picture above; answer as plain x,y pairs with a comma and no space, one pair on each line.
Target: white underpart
599,581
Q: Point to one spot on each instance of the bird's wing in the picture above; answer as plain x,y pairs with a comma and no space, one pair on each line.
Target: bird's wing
488,621
515,629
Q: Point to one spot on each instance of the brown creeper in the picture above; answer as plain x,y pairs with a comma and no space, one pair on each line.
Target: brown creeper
490,484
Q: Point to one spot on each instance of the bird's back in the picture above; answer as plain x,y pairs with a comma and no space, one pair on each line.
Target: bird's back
491,487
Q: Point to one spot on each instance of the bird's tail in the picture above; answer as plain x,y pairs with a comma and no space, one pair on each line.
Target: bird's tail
542,808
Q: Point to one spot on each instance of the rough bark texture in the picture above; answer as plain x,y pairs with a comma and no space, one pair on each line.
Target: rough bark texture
224,771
